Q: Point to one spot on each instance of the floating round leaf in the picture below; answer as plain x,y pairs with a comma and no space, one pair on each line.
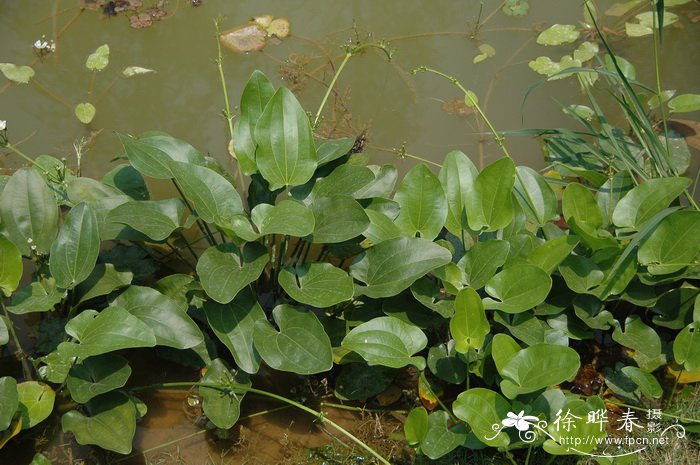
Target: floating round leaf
18,74
85,112
558,34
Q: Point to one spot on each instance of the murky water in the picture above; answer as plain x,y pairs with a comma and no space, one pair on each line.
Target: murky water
184,98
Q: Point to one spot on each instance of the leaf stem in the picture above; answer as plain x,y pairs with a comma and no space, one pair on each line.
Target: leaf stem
668,415
320,416
26,370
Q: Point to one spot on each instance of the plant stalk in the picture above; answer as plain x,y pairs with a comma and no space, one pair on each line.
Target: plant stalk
26,370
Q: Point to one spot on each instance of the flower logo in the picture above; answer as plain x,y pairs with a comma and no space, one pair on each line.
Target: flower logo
521,421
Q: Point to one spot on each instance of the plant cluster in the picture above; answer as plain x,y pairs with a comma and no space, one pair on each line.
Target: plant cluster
492,285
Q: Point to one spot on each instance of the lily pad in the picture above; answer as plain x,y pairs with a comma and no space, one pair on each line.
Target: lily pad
99,59
558,34
18,74
243,39
487,51
279,27
85,112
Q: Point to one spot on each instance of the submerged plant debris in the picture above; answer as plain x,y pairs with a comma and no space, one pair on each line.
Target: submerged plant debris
256,34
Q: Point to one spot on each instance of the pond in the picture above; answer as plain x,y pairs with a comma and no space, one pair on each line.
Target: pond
400,118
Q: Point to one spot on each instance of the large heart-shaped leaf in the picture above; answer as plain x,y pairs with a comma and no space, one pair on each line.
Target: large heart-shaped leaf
524,372
638,336
671,246
535,196
97,375
442,437
111,423
332,149
317,284
222,402
287,217
234,323
580,273
469,325
332,227
423,203
169,321
35,402
28,211
393,265
686,347
10,266
39,296
518,288
127,179
646,200
482,409
301,345
491,206
482,261
9,401
75,251
457,177
155,219
344,180
446,363
416,426
256,93
213,197
286,154
359,381
152,152
224,270
387,341
111,329
549,255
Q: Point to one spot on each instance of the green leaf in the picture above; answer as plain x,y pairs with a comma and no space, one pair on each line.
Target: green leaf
515,7
645,25
445,363
40,459
128,180
287,217
487,51
558,34
39,296
392,266
649,385
214,199
4,335
111,423
112,329
97,375
524,372
580,273
457,177
169,321
35,402
686,347
544,65
9,401
152,152
99,59
638,336
301,345
481,409
332,149
360,381
10,267
610,193
518,288
224,270
684,103
28,211
416,426
104,279
549,255
483,259
423,203
387,341
671,246
344,180
286,154
383,184
256,94
381,228
18,74
535,196
646,200
131,71
469,325
222,407
332,227
442,437
491,206
578,203
156,219
317,284
74,253
85,112
234,323
586,51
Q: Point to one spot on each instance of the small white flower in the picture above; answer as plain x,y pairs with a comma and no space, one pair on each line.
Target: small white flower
3,124
521,421
38,44
30,240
